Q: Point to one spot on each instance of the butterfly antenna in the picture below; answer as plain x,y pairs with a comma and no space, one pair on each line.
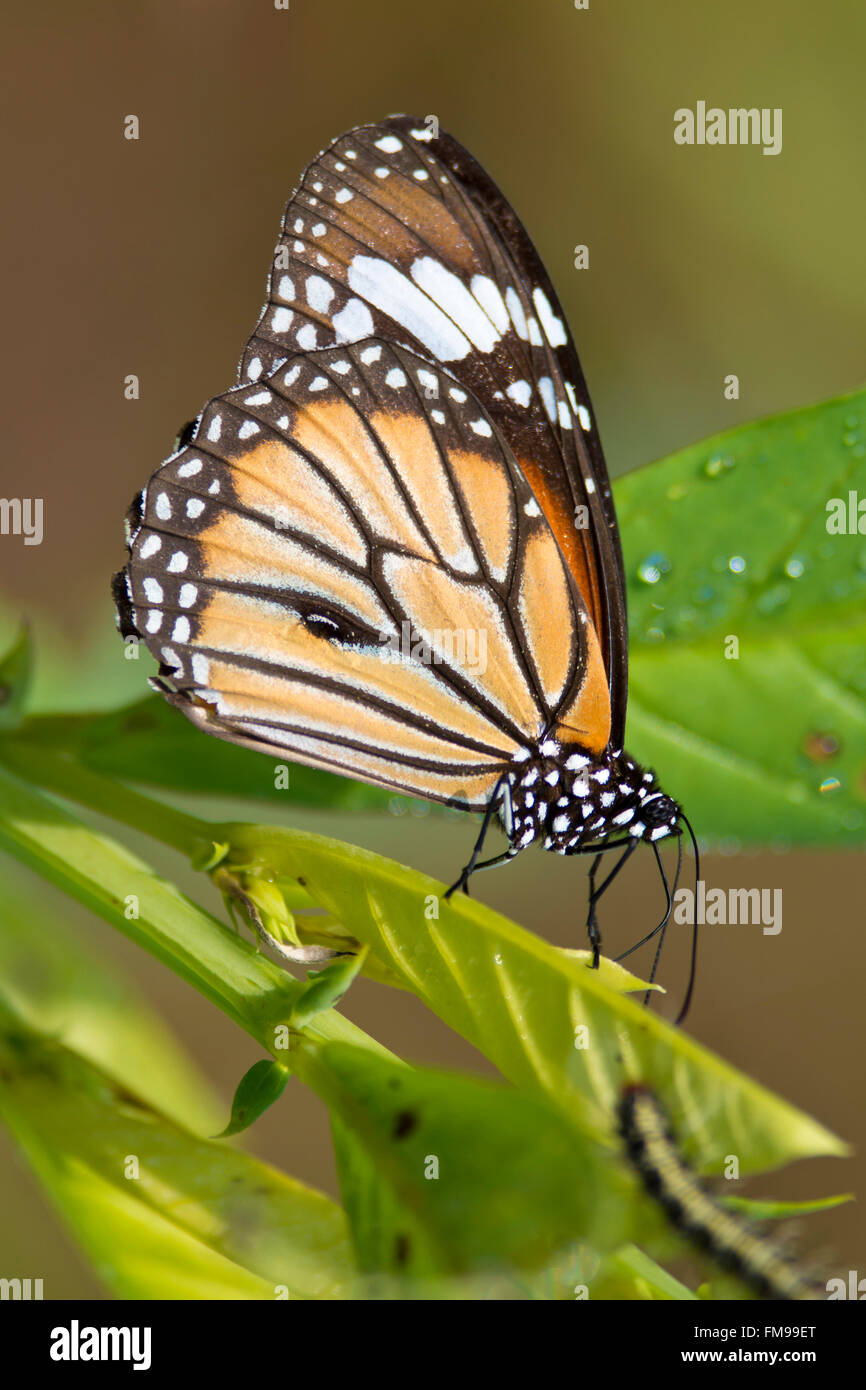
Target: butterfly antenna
694,958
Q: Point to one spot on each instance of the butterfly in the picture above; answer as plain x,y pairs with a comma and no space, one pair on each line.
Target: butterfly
390,550
727,1237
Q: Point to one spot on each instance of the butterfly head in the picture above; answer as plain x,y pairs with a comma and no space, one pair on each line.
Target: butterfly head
570,800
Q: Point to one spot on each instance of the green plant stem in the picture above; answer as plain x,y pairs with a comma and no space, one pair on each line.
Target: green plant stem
62,774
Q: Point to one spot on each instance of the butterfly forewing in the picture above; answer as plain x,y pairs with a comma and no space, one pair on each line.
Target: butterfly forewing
396,231
345,565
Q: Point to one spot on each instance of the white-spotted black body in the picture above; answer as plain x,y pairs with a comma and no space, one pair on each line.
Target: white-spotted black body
569,801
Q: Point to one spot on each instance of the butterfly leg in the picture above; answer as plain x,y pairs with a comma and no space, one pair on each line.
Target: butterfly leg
504,858
463,881
596,892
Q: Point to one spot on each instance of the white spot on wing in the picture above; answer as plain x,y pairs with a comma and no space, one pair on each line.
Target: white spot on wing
200,668
448,291
319,293
385,287
545,386
520,392
353,322
515,310
554,330
486,291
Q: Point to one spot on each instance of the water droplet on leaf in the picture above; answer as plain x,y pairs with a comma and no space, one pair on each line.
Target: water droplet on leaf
718,464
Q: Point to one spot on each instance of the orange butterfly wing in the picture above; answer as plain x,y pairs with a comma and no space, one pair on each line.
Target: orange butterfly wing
346,566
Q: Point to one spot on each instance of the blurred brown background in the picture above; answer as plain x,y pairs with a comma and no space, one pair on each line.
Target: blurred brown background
150,257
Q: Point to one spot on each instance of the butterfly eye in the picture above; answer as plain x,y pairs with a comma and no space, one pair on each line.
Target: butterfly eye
660,810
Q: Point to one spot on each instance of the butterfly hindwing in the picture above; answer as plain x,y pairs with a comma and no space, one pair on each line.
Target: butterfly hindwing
346,566
396,231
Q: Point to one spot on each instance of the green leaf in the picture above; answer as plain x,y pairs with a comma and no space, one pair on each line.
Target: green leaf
16,674
256,1092
95,870
65,988
631,1274
80,665
325,988
763,1209
161,1213
152,743
443,1174
551,1025
767,748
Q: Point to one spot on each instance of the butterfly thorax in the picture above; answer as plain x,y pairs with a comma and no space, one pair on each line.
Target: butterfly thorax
570,800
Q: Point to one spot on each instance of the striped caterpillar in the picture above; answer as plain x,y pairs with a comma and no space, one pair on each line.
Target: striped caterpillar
728,1238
